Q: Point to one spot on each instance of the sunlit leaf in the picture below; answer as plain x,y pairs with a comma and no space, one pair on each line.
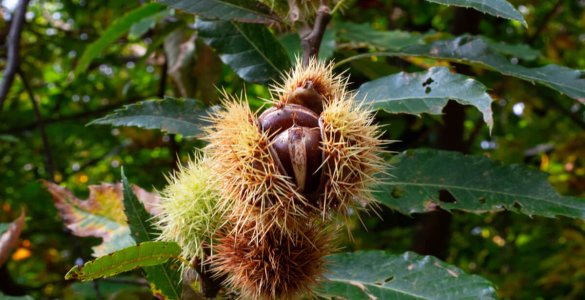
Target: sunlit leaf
498,8
249,49
227,10
101,215
423,180
115,31
179,116
426,92
164,279
9,235
380,275
124,260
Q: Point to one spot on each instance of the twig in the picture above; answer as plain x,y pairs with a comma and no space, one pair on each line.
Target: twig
312,41
542,26
41,125
13,51
72,117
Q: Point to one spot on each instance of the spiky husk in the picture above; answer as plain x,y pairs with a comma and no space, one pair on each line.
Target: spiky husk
329,85
189,213
353,149
279,267
251,184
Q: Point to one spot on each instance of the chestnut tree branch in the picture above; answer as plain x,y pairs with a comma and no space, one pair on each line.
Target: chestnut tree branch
49,167
311,42
13,50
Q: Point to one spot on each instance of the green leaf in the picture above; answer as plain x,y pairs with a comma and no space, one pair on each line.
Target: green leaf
164,279
227,10
423,180
114,32
426,92
498,8
142,255
364,33
380,275
178,116
6,297
249,49
475,51
139,222
521,51
141,27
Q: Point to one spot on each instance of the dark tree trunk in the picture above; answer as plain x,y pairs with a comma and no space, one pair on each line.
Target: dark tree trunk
433,229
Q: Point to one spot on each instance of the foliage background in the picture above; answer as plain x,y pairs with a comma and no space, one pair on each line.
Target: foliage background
527,258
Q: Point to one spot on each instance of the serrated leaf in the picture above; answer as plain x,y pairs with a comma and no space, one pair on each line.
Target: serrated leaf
227,10
142,255
9,235
249,49
101,215
498,8
426,92
423,180
380,275
138,218
163,279
114,32
521,51
475,51
178,116
364,33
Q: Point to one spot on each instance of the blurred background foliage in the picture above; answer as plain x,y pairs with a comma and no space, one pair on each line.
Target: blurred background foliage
527,258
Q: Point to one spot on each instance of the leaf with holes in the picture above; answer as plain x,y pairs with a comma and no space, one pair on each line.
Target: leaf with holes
9,235
163,279
475,51
426,92
249,49
115,31
423,180
178,116
227,10
498,8
101,215
142,255
380,275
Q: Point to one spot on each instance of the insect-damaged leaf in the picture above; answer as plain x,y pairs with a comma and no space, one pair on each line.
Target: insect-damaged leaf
101,215
367,275
425,179
426,92
9,235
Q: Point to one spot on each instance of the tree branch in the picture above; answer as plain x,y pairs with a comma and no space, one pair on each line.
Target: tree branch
13,50
49,167
312,41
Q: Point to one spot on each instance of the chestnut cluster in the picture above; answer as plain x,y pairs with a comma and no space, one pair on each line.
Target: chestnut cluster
274,182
